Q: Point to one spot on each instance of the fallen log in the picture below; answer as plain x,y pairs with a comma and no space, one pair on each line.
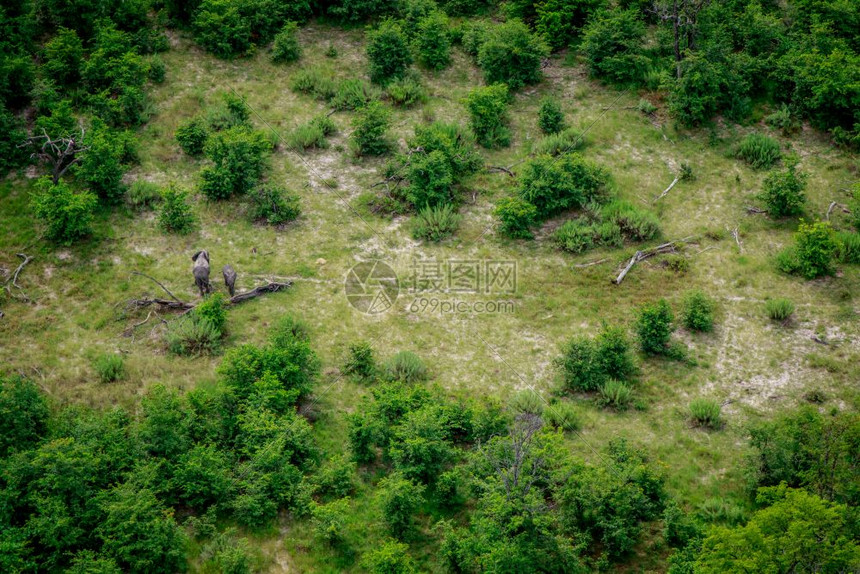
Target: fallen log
755,210
177,305
667,190
13,280
493,168
642,255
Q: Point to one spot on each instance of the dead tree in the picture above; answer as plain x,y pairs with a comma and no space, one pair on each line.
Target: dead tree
683,15
61,152
642,255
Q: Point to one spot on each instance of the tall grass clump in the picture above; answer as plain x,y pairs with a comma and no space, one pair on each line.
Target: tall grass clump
615,394
848,249
562,415
706,413
311,134
192,335
779,310
406,367
527,402
316,82
758,150
406,92
109,367
560,142
353,93
361,362
436,223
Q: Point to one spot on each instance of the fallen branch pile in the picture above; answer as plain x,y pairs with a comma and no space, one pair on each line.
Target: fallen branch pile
642,255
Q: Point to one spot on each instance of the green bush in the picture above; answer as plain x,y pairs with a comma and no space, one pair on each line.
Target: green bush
221,29
176,215
488,115
563,142
213,309
406,92
239,157
143,194
66,215
783,120
399,500
550,116
24,414
361,362
612,44
553,185
310,135
388,52
228,554
557,21
273,204
815,246
758,150
849,247
316,82
64,56
636,224
202,477
517,217
432,41
783,192
854,204
436,223
578,235
563,415
615,394
192,335
588,363
779,309
510,54
527,402
109,367
389,558
329,520
230,112
359,10
706,413
335,477
698,313
286,48
654,327
405,367
430,180
352,94
369,130
100,168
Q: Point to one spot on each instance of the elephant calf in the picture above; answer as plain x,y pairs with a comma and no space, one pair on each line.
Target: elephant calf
229,278
201,271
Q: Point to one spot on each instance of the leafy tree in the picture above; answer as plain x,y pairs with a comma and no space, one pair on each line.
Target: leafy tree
286,48
330,520
64,56
202,477
510,54
221,29
432,41
430,180
101,167
370,125
23,414
67,215
698,313
553,184
359,10
815,246
587,364
557,21
797,532
176,214
654,327
783,192
550,116
517,217
163,431
488,109
239,156
192,135
399,499
388,52
455,143
390,557
11,136
419,446
612,44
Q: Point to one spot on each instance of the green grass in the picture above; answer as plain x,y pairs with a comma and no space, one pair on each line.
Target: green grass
78,295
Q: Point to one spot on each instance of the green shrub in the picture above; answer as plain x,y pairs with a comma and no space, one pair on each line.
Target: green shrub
406,92
636,224
406,367
24,414
510,54
66,215
706,413
783,120
615,394
361,362
587,363
64,56
473,35
227,554
329,520
432,41
677,263
527,402
816,246
369,130
854,205
613,355
654,327
192,335
488,115
359,10
612,44
646,107
578,235
239,157
388,52
273,204
213,309
517,217
454,143
221,29
783,192
286,48
389,558
698,313
109,367
563,415
143,194
316,82
779,309
557,21
563,142
202,477
100,168
849,247
352,94
553,185
400,500
157,70
436,223
176,215
758,150
335,477
308,135
550,116
430,179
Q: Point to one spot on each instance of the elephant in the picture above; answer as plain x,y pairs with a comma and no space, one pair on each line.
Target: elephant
229,278
201,271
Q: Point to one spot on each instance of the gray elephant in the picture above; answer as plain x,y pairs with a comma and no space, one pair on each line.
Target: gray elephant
201,271
229,278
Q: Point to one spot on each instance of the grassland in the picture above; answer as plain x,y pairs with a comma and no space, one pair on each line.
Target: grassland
78,295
